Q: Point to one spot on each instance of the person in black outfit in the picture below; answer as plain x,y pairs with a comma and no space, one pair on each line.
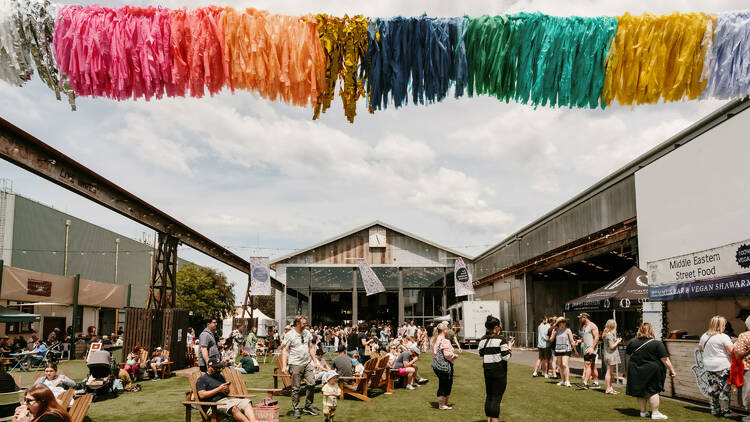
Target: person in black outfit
495,353
40,405
7,385
351,342
647,370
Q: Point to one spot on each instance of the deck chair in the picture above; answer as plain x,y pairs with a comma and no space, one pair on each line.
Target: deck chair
379,378
286,380
239,389
166,366
392,377
193,400
66,397
359,385
80,407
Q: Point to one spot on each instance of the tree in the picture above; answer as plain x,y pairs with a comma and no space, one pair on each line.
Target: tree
204,291
266,304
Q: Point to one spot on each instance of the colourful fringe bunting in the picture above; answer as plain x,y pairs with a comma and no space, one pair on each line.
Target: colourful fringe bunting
424,55
730,57
657,58
531,58
539,59
26,29
344,42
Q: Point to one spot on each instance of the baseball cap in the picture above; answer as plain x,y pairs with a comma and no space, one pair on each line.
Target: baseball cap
216,364
414,350
158,348
584,315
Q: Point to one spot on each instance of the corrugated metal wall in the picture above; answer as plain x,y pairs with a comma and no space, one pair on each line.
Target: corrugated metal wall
39,242
611,206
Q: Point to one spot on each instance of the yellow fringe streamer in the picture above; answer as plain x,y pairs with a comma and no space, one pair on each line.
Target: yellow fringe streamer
344,42
657,57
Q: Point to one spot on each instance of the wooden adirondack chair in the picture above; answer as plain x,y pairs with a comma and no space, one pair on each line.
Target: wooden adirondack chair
193,400
379,378
286,380
166,366
392,377
359,386
66,397
80,407
239,389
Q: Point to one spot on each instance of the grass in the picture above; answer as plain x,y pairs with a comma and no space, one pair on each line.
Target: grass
526,399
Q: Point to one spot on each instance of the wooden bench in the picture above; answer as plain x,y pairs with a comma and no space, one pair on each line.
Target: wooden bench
80,407
360,385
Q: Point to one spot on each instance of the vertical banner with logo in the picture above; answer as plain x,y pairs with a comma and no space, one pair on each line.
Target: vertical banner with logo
260,277
369,278
462,278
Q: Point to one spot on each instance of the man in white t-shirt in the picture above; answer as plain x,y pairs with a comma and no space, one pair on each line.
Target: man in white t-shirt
411,330
298,350
717,350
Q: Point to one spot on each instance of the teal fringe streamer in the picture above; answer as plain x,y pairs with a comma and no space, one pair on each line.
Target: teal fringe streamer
539,59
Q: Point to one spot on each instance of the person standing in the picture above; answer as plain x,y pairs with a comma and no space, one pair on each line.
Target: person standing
542,344
207,343
717,351
590,340
563,339
610,353
553,358
443,347
742,351
411,330
495,353
298,352
647,370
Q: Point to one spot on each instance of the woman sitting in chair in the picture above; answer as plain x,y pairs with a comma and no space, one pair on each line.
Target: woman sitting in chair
39,405
57,383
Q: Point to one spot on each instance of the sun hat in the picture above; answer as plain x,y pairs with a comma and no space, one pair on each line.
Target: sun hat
328,375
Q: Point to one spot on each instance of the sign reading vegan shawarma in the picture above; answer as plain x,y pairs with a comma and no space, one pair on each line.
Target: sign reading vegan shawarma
713,272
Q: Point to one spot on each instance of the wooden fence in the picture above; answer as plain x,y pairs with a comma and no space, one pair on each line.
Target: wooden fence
150,328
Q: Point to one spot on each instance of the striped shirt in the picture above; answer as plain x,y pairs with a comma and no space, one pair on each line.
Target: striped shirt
494,351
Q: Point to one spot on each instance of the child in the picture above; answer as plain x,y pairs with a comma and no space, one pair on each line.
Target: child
331,392
359,369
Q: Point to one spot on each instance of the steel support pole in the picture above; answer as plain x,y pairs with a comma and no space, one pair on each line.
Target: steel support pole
76,313
65,256
400,298
355,315
2,267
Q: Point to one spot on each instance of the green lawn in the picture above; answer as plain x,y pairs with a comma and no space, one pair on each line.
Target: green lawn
526,399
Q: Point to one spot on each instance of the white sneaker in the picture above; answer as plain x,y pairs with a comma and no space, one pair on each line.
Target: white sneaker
594,384
645,414
411,387
567,383
659,416
560,383
534,375
546,375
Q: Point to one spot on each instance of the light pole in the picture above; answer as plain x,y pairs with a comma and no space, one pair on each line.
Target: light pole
117,256
67,238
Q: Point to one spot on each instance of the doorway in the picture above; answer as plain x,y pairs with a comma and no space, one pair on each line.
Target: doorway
50,323
378,307
332,308
107,321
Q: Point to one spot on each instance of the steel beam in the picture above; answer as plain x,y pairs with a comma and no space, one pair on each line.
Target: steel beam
162,292
33,155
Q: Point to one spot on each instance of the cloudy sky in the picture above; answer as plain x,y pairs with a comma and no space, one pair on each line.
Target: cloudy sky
264,179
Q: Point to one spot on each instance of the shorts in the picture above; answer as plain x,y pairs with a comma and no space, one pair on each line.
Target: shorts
225,405
401,372
545,353
562,353
591,357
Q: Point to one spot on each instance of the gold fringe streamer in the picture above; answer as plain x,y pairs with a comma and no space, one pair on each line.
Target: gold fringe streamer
344,42
657,57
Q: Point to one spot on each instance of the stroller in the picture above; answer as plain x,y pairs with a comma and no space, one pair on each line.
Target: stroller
100,381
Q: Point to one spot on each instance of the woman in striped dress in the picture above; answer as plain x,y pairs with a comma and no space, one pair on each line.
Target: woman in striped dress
495,353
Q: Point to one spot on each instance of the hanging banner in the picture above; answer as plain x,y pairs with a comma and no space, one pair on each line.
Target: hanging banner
707,264
463,279
369,278
260,277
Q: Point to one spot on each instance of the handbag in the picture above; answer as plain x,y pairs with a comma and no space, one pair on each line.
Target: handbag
440,363
701,375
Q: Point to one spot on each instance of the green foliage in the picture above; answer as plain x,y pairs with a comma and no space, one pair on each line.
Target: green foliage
205,291
266,304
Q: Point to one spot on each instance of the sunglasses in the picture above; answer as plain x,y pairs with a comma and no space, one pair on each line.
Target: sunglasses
28,400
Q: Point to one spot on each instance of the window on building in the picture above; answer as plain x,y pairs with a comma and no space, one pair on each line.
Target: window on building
331,278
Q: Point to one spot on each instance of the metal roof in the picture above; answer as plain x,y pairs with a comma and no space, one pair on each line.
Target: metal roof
365,227
703,125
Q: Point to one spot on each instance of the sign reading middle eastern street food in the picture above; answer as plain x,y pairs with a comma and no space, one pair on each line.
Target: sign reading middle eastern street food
703,265
719,271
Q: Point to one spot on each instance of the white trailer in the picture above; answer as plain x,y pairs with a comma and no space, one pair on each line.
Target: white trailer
468,319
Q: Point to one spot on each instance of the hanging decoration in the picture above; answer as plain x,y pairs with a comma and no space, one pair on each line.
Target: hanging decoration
729,60
279,57
344,42
26,31
420,56
531,58
657,58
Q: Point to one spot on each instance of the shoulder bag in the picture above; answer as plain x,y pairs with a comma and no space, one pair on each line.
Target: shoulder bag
440,363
